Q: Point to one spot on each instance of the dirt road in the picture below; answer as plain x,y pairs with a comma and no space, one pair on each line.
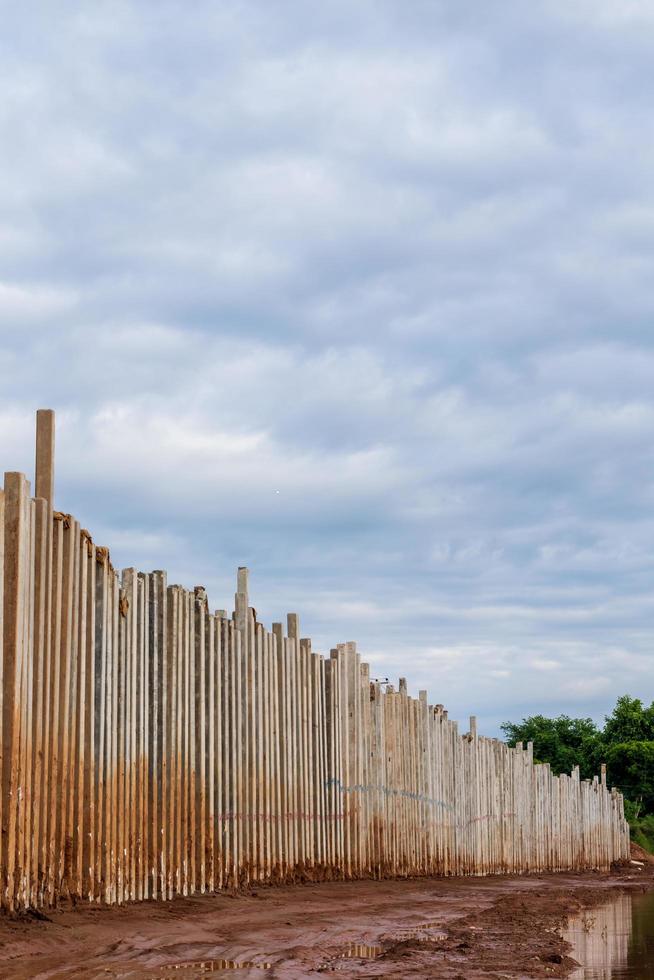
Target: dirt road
463,928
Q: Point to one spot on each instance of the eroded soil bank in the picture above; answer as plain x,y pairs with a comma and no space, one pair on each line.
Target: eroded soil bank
461,928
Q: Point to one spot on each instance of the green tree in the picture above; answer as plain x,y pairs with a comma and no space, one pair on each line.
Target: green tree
563,742
629,722
630,766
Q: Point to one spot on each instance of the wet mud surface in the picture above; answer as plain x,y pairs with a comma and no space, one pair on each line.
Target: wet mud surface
459,929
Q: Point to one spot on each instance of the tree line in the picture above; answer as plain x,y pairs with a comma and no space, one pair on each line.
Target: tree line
625,743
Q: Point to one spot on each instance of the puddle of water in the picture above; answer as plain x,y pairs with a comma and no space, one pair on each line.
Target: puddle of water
365,951
361,951
136,971
423,930
215,966
614,941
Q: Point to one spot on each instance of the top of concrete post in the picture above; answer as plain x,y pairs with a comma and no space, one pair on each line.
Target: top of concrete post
242,580
45,449
293,626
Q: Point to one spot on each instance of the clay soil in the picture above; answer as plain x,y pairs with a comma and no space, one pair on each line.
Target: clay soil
457,928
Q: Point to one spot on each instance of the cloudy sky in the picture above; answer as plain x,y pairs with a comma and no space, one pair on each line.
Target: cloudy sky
359,295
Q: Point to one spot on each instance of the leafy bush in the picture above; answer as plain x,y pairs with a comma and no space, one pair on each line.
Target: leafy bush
642,832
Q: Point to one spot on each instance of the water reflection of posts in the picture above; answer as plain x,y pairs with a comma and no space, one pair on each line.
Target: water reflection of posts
600,939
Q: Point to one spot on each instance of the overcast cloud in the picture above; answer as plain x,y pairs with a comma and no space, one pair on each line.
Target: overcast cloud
359,295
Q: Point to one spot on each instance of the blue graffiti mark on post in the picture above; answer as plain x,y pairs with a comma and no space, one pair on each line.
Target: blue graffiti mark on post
407,794
388,791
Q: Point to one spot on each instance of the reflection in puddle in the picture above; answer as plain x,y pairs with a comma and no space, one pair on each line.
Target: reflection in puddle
361,951
214,966
614,941
423,930
600,939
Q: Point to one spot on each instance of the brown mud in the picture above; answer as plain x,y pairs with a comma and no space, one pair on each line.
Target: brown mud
457,928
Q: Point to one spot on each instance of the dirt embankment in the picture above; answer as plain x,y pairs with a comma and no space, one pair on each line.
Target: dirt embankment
459,929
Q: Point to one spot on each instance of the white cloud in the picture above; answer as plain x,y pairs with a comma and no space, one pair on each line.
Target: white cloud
20,304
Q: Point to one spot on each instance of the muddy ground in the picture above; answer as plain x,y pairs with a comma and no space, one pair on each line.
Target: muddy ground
460,928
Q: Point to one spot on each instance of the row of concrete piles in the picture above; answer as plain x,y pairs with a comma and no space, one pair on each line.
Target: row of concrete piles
151,747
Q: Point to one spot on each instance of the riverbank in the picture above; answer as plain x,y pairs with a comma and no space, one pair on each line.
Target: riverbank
454,929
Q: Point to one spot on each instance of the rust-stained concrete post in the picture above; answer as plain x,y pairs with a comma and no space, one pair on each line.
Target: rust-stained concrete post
45,449
15,639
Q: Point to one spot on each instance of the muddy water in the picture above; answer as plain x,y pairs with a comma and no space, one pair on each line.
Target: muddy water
213,966
614,941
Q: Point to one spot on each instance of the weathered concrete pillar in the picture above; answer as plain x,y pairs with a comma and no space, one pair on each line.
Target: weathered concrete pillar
16,620
241,601
243,579
45,449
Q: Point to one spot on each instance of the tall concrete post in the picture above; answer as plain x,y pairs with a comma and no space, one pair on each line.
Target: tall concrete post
45,449
241,601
